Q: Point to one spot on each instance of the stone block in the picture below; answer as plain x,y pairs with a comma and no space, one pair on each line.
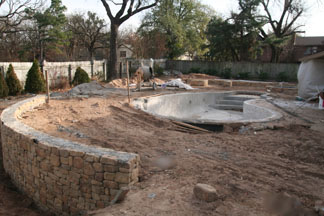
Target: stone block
58,189
109,176
74,193
49,181
95,196
64,160
104,198
87,196
64,181
76,154
99,177
55,151
70,161
197,82
85,188
76,170
66,167
127,165
97,189
107,191
45,166
74,177
98,167
100,204
75,187
88,169
41,153
94,182
64,153
88,158
58,204
110,168
124,170
225,83
62,173
135,173
35,172
78,162
109,160
110,184
122,177
23,145
205,192
55,160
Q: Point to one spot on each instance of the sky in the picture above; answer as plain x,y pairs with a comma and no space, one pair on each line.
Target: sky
312,19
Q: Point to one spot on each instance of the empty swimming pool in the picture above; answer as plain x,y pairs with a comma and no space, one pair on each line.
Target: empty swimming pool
208,107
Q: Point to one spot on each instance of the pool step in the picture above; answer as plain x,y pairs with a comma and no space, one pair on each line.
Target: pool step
227,107
236,98
230,102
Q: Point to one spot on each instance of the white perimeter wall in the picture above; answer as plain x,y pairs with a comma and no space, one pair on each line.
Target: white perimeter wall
55,69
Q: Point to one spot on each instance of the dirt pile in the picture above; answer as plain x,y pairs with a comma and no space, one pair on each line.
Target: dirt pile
88,89
92,88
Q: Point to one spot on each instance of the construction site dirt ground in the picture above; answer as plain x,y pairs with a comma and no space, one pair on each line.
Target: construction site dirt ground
264,169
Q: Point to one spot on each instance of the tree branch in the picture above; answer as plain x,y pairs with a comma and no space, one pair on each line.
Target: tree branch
292,22
269,17
137,10
122,9
105,4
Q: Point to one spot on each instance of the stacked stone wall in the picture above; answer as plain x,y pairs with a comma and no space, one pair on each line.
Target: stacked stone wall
61,176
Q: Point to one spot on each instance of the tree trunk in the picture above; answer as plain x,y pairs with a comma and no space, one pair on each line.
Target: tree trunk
275,54
112,64
91,61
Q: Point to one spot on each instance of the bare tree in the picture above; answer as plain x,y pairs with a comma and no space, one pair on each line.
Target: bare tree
127,9
282,26
14,12
89,31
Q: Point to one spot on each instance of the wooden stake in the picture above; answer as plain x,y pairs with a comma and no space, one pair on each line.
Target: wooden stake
190,126
47,87
127,71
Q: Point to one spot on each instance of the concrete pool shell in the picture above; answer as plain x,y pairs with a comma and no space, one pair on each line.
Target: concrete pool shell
209,108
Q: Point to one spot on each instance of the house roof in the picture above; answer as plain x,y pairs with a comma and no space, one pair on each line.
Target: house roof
127,46
309,41
319,55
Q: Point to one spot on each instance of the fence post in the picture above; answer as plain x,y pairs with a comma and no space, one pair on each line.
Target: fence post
70,74
104,70
107,71
91,64
128,91
47,87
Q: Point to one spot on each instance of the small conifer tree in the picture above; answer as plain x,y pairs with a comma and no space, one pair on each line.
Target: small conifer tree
13,82
81,76
35,82
3,87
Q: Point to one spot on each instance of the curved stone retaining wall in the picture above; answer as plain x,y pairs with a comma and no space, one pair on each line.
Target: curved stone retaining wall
61,176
